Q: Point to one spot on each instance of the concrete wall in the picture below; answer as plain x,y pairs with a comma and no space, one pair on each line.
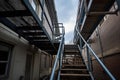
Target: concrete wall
19,56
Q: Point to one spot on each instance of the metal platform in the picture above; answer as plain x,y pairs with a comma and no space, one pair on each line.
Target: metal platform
19,16
95,15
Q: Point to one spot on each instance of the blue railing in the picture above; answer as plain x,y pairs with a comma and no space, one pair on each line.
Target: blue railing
95,56
58,59
36,17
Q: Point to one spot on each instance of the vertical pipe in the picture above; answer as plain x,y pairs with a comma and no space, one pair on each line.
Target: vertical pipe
100,42
88,58
40,63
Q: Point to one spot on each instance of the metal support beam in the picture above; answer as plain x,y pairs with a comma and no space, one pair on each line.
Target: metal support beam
102,13
32,33
35,37
89,59
15,13
7,23
28,28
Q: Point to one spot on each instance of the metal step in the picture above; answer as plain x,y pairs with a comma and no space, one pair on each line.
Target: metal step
73,67
77,71
75,77
82,66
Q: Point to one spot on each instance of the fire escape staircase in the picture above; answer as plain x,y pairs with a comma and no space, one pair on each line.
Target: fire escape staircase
20,16
73,66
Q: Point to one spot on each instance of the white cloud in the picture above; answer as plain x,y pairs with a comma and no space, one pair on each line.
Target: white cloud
69,25
67,15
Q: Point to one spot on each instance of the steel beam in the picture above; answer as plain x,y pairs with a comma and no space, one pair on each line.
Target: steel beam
102,13
28,28
31,38
15,13
7,23
32,33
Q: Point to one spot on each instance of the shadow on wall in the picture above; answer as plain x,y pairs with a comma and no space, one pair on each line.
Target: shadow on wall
112,63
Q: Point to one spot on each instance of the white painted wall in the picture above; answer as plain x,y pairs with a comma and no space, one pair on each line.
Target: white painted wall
19,52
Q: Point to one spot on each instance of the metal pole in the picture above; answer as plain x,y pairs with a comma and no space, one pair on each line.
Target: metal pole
57,57
100,42
88,58
60,61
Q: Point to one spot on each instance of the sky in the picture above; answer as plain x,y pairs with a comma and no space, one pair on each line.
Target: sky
67,12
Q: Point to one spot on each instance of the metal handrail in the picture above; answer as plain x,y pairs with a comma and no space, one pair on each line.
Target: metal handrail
57,35
58,56
44,13
92,77
96,57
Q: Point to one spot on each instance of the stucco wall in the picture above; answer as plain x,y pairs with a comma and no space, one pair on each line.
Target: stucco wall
19,53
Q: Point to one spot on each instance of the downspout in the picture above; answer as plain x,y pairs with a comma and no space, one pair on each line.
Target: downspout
40,63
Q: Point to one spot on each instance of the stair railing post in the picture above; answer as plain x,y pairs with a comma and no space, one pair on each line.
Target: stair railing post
60,60
58,78
88,59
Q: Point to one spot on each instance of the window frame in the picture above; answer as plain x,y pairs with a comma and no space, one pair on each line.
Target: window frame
8,61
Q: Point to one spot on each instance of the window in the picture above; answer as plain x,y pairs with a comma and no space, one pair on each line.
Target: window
35,5
5,56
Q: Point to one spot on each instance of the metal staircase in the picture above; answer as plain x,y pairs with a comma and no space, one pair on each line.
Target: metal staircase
73,66
19,16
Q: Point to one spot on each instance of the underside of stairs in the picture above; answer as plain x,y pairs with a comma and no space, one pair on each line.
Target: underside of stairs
73,67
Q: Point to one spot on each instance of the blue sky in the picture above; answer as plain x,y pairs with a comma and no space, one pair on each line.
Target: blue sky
66,12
